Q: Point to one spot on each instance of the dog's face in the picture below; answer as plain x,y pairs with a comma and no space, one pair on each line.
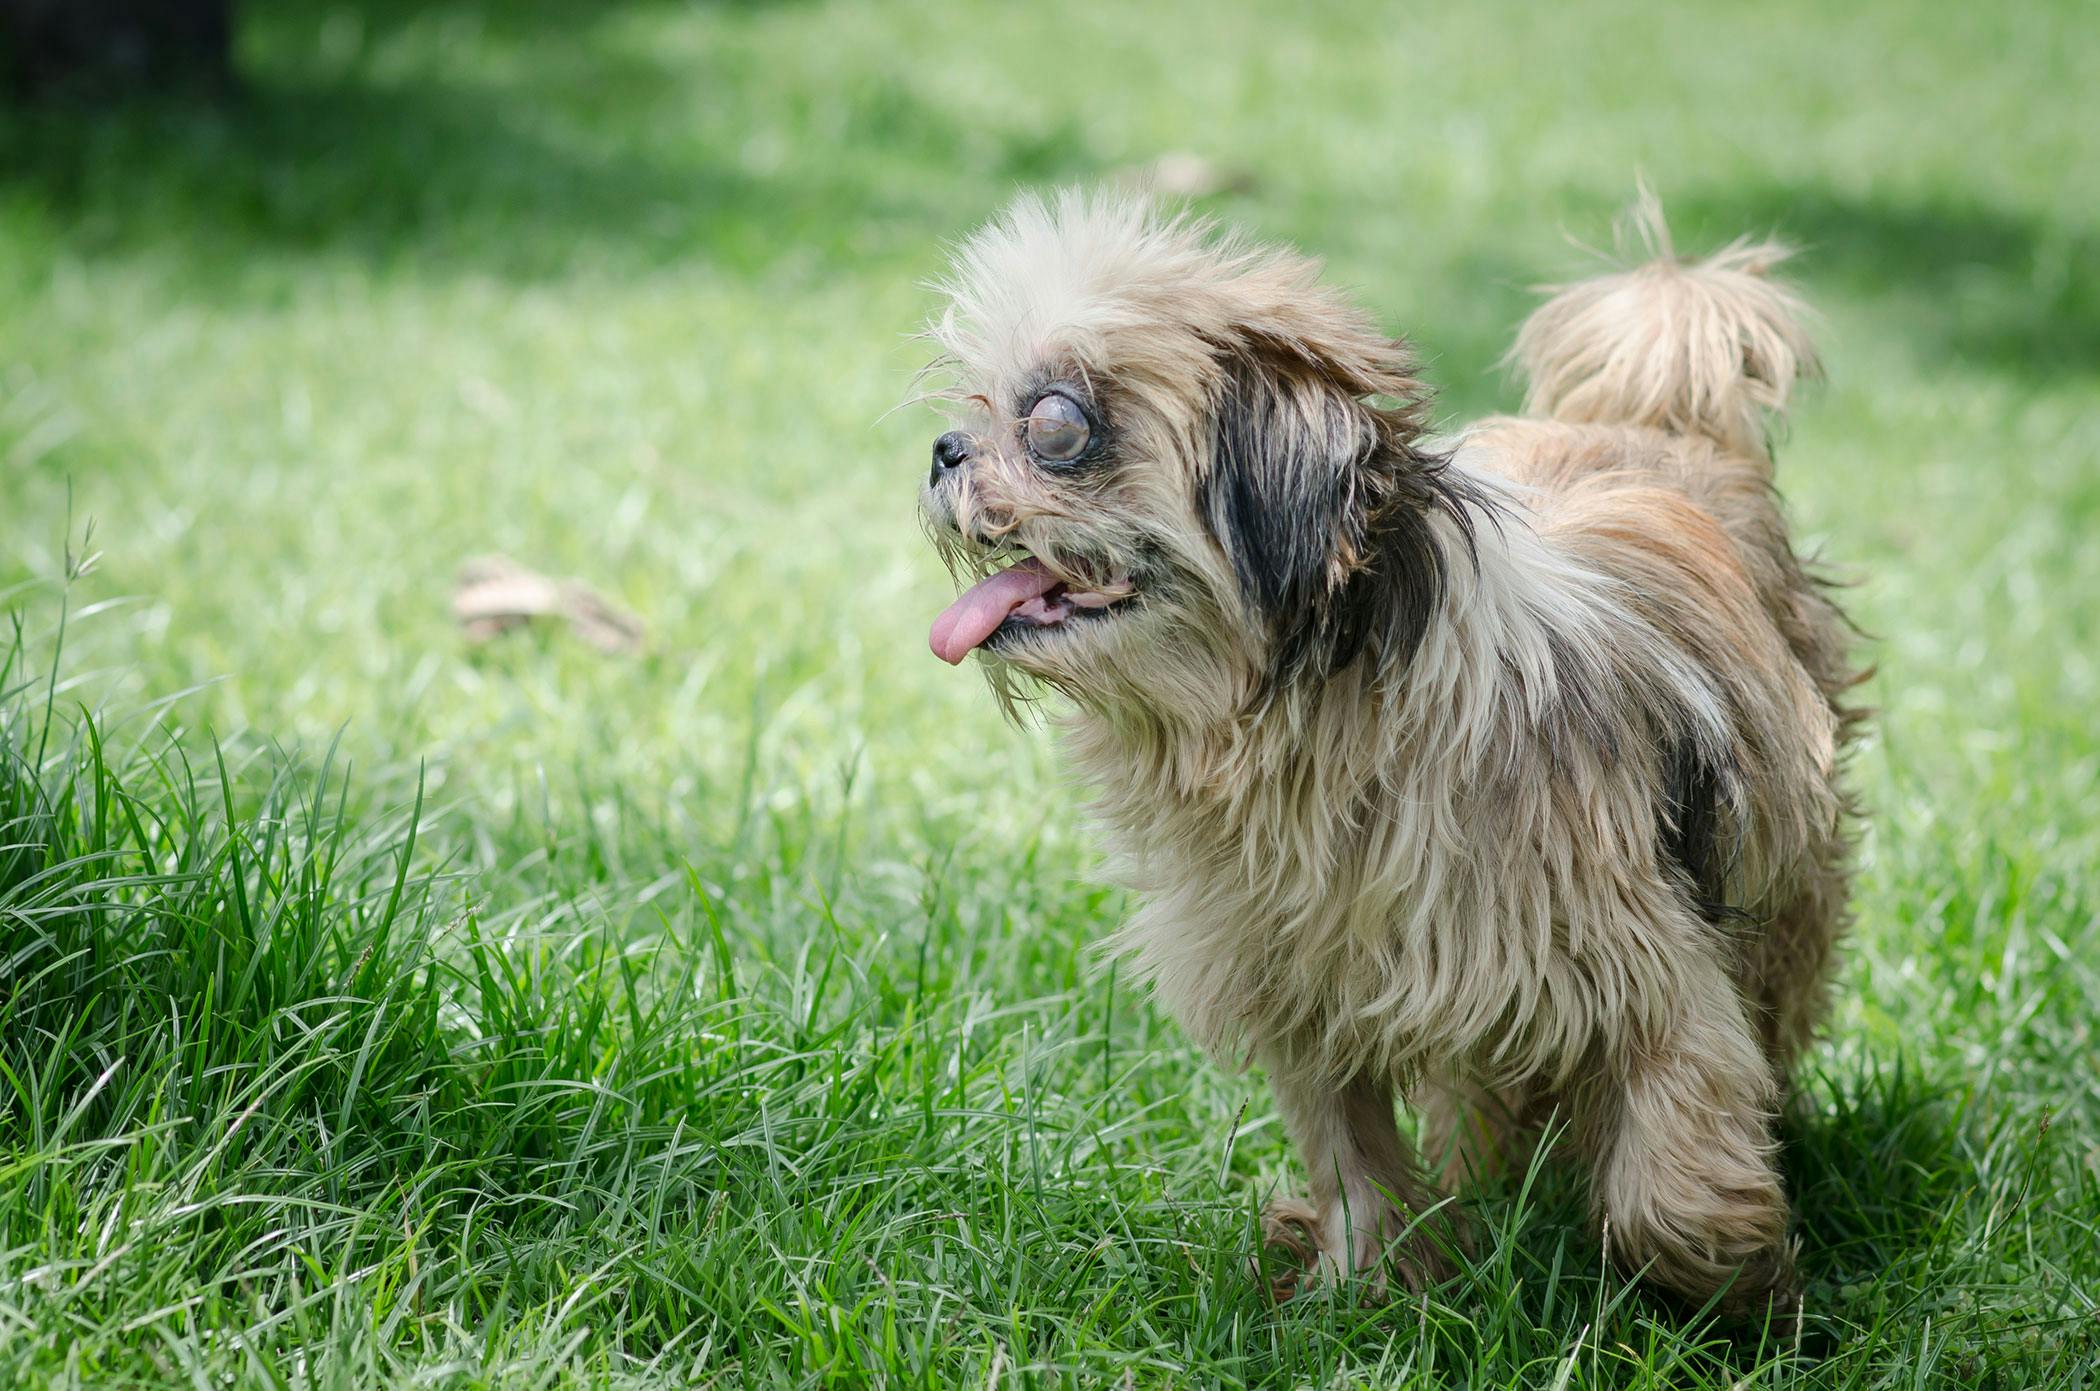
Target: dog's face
1182,473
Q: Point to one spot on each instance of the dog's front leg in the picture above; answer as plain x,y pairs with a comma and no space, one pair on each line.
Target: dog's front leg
1367,1189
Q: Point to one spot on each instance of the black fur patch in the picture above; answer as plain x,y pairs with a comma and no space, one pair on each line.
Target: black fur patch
1694,789
1323,506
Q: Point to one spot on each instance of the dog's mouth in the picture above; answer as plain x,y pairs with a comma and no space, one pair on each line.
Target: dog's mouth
1026,597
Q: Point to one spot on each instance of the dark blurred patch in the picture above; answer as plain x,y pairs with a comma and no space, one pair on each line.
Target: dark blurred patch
92,49
1961,280
519,140
413,174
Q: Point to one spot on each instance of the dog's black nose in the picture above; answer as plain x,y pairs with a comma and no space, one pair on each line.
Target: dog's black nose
950,452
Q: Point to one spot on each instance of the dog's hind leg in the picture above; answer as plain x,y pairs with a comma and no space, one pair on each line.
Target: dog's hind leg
1473,1134
1367,1189
1679,1126
1788,967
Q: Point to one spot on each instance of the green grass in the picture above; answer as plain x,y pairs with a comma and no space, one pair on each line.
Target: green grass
378,1009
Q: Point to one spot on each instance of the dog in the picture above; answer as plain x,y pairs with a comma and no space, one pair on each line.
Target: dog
1501,772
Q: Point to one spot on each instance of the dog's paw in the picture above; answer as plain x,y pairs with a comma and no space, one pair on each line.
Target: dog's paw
1766,1293
1313,1250
1290,1227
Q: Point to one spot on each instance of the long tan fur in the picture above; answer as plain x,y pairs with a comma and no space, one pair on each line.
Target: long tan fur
1504,776
1710,348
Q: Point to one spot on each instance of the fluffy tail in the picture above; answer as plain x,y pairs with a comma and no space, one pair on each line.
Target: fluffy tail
1709,347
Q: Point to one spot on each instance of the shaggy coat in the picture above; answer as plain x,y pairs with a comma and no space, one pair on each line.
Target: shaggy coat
1501,772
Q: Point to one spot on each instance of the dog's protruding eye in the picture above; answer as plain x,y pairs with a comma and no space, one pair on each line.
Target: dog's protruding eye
1057,429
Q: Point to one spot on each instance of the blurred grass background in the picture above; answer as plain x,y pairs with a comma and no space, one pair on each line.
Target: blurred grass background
623,290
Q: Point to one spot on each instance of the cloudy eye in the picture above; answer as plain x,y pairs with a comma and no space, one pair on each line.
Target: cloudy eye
1057,431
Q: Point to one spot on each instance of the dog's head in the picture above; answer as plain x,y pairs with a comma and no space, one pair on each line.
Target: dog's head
1181,472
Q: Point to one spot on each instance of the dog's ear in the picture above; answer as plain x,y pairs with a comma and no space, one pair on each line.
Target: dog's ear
1321,500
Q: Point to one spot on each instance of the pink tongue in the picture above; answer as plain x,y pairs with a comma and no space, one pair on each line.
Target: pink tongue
977,615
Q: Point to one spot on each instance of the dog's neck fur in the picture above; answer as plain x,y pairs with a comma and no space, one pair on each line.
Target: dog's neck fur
1517,631
1302,832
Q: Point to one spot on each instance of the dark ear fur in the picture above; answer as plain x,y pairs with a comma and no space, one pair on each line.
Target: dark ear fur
1322,502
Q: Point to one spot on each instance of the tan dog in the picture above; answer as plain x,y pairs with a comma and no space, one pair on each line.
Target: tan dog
1502,772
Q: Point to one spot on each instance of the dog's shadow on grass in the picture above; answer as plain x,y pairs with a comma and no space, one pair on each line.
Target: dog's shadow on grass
1960,280
1879,1166
1880,1170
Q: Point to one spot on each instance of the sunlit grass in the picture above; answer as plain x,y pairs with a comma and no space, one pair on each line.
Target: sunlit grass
375,1007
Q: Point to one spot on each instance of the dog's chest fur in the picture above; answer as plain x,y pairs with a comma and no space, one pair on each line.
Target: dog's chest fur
1381,926
1380,877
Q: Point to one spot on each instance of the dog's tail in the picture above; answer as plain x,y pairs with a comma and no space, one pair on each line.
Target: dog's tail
1709,347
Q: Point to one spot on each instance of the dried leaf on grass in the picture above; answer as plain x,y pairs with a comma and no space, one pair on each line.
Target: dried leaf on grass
495,594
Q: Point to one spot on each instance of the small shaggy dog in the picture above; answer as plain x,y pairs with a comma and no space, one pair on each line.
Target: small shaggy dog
1500,772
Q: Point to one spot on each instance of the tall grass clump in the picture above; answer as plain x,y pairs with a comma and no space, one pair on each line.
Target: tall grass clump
275,1090
227,1075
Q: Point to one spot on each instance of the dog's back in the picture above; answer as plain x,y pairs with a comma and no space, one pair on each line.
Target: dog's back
1646,448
